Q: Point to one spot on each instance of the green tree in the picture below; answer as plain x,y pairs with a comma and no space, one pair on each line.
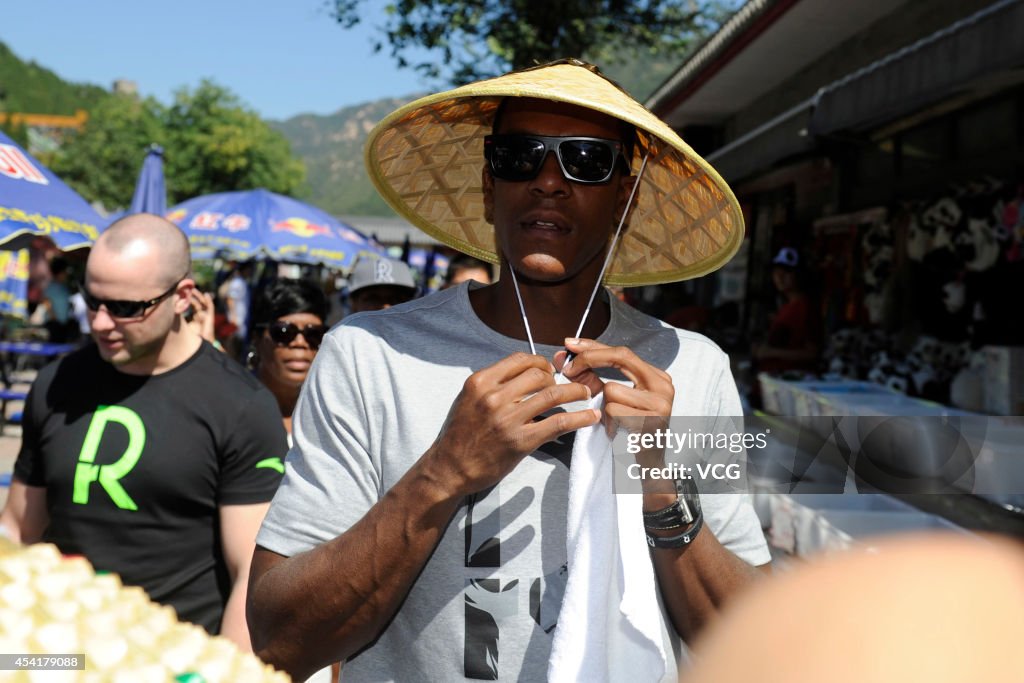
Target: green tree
480,38
214,144
17,132
102,160
211,144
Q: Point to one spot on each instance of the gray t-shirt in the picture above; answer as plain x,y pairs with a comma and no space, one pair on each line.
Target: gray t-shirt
487,601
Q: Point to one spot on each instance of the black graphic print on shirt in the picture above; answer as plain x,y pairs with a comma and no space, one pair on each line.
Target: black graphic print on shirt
492,537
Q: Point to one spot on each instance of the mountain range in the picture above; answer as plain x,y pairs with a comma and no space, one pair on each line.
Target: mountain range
31,88
332,148
332,145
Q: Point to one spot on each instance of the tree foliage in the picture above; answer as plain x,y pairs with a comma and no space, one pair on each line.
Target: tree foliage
102,160
16,131
220,146
211,144
478,38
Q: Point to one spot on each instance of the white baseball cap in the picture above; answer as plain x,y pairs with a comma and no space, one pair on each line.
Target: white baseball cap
374,272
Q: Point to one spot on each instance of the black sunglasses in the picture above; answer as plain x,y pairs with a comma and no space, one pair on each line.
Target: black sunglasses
284,333
517,156
117,308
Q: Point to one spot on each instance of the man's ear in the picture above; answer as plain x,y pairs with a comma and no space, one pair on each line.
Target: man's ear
183,295
487,186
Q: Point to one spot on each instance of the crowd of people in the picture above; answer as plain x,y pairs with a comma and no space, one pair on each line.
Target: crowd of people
221,309
391,496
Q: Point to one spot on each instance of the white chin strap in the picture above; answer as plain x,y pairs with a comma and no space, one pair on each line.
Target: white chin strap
600,277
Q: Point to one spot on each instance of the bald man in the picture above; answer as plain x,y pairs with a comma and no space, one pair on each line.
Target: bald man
148,451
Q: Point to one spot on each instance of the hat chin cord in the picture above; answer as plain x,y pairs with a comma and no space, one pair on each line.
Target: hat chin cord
597,285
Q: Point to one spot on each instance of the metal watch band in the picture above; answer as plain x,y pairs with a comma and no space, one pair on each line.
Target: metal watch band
682,540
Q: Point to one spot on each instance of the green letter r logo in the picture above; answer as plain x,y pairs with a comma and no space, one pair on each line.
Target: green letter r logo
109,475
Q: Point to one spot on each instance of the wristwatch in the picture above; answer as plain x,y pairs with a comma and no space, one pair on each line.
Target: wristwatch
683,514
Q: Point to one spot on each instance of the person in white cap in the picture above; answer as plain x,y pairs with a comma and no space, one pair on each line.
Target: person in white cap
379,283
420,531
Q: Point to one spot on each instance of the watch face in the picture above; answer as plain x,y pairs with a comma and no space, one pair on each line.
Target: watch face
686,509
689,499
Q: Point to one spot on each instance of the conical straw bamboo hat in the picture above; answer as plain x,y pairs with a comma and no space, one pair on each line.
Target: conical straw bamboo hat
426,159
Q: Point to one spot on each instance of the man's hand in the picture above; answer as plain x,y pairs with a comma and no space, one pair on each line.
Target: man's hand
694,581
491,425
644,407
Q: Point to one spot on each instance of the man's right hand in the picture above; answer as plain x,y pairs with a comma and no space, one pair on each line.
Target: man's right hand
492,424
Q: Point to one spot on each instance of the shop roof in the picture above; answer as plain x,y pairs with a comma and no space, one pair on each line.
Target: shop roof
389,230
756,50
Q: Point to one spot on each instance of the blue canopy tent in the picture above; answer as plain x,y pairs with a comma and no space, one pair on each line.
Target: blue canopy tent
34,201
260,223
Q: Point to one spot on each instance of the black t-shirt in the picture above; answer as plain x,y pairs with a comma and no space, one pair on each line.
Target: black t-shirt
135,468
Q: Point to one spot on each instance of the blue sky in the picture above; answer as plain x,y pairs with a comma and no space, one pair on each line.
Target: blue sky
281,57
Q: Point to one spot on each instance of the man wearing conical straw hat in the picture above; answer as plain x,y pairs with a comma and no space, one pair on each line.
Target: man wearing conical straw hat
421,529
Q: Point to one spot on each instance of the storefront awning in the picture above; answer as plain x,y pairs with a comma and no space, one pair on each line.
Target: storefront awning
923,73
782,137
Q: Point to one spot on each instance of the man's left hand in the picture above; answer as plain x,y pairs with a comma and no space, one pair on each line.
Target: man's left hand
643,407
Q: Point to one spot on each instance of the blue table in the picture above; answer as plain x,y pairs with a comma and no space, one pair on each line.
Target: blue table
45,349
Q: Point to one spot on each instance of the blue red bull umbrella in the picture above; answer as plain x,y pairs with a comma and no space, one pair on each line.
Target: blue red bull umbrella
257,223
34,201
14,283
150,189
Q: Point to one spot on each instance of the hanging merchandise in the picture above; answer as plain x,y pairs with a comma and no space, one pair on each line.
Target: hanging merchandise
920,288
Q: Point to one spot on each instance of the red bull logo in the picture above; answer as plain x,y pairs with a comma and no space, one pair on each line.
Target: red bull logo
300,227
14,164
176,216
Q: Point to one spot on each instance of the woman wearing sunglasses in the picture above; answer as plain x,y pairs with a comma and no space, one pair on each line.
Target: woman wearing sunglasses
288,326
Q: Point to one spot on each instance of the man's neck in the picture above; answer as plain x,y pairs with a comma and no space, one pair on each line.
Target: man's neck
553,310
177,348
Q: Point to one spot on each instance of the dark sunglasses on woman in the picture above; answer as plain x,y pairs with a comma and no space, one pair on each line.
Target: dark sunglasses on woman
517,157
284,333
